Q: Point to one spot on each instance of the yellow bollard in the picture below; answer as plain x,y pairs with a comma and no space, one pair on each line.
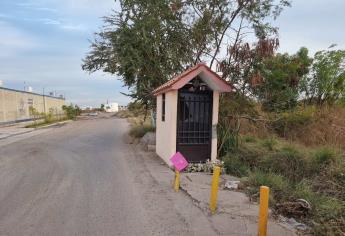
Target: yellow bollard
177,180
263,212
214,189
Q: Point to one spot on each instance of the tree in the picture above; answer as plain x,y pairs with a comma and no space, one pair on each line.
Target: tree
71,111
279,77
148,42
102,107
144,43
326,82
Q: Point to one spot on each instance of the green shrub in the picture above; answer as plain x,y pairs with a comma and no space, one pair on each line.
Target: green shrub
283,122
269,143
138,131
289,161
278,184
249,139
325,155
235,166
71,111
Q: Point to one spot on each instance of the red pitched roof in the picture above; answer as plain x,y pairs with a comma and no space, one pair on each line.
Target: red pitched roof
182,79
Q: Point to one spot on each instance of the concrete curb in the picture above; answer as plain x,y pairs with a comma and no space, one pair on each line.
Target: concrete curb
61,123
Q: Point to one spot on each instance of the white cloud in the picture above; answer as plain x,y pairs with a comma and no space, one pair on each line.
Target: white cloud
48,21
80,7
74,27
13,40
62,24
36,6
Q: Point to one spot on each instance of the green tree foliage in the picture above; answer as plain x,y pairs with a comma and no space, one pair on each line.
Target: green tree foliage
144,43
326,82
71,111
279,77
148,42
102,107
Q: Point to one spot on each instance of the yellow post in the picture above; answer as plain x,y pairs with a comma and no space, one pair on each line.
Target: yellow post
177,180
214,189
263,212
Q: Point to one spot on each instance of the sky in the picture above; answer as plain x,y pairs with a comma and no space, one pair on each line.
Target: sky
42,43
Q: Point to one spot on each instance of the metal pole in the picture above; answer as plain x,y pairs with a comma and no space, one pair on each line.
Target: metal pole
263,212
214,189
44,102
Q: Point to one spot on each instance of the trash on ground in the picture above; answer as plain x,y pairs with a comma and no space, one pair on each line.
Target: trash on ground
231,184
298,208
294,223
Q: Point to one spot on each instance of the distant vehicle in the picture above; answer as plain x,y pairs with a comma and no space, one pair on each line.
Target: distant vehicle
93,114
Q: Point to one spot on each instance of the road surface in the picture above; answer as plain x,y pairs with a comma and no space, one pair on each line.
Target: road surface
84,179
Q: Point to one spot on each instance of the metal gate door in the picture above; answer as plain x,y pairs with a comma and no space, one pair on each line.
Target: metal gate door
194,125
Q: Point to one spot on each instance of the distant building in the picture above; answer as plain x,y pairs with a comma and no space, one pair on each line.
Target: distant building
15,105
111,107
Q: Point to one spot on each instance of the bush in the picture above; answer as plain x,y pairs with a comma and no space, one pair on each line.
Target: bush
249,139
325,156
71,111
278,184
283,122
138,131
235,166
323,208
269,143
289,161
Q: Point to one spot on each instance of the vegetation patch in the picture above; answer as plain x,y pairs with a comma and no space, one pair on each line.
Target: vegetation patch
138,131
306,183
42,119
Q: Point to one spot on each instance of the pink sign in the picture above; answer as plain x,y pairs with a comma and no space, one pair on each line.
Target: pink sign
179,161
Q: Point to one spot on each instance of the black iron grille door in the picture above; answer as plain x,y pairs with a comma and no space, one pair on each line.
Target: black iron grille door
194,125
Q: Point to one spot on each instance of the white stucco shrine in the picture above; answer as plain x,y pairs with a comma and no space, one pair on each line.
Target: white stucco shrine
187,114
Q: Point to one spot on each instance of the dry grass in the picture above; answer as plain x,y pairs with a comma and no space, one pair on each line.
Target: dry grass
299,154
328,127
139,125
311,127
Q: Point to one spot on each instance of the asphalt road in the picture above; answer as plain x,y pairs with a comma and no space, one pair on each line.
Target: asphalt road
84,179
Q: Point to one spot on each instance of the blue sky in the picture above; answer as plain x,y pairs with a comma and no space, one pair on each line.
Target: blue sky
42,43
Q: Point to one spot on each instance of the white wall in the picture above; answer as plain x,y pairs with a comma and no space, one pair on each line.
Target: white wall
166,130
215,112
112,107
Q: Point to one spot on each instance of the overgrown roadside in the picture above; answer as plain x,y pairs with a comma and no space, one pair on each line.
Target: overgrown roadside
300,155
139,119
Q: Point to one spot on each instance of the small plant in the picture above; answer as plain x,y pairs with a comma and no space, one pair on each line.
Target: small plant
278,184
234,166
269,143
249,139
325,155
138,131
290,162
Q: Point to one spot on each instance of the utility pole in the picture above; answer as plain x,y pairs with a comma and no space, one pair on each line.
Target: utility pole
44,102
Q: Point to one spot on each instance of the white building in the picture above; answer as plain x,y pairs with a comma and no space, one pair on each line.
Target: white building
111,107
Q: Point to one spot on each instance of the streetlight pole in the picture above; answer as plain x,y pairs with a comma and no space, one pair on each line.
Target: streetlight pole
44,102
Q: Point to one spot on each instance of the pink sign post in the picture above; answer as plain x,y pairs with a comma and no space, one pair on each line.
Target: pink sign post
179,161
